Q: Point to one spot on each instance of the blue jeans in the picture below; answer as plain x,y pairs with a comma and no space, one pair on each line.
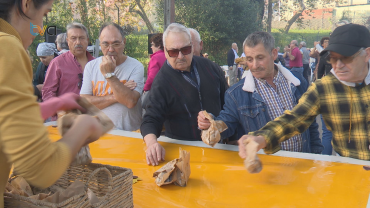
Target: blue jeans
297,69
326,139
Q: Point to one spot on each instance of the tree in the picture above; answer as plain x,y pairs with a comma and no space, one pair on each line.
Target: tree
291,11
219,22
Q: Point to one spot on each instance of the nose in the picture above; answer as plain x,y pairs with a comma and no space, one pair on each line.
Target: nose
110,48
180,56
339,64
254,64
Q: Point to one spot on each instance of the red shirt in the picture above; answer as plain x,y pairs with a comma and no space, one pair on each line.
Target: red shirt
62,76
297,62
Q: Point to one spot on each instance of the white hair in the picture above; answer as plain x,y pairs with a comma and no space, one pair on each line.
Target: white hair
176,28
303,44
196,33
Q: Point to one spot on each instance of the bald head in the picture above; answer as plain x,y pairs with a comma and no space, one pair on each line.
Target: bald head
196,41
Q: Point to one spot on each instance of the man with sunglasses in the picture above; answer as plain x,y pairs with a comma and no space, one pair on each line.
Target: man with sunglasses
185,85
342,97
115,81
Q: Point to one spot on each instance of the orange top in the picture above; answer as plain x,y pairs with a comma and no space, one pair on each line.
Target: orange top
218,177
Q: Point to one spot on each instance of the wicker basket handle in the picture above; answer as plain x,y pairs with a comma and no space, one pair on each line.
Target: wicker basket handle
110,181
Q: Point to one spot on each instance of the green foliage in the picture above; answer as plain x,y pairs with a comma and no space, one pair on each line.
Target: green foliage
309,36
219,22
137,47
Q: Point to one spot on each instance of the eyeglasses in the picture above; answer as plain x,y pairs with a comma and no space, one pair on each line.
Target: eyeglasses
114,45
79,84
344,59
175,52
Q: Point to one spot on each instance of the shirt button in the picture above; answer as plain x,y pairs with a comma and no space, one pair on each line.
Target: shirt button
263,109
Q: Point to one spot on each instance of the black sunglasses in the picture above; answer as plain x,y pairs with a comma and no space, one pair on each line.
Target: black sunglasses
80,76
175,52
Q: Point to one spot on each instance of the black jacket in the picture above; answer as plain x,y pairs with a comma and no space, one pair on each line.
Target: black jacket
230,57
175,103
324,67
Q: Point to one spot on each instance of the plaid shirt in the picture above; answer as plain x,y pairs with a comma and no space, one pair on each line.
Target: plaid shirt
278,101
345,111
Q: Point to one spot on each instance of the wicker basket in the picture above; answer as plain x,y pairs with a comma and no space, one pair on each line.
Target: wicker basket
112,185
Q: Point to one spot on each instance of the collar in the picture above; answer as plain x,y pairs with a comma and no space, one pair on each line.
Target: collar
88,55
250,85
191,67
352,84
5,27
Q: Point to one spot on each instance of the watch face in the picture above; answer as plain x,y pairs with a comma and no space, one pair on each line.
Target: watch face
108,75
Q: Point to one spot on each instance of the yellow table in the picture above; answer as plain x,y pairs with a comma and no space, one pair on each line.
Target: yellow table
219,179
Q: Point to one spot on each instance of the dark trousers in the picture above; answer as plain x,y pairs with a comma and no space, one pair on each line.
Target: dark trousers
306,72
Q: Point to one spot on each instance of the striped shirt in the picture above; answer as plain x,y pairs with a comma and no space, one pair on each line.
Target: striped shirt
278,100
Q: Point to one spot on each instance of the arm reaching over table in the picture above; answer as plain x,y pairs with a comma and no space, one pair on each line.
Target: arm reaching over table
248,148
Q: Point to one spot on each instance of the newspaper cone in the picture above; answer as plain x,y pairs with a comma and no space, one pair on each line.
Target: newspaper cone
212,135
176,171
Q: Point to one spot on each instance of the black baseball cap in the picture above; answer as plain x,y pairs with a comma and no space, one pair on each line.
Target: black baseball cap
348,39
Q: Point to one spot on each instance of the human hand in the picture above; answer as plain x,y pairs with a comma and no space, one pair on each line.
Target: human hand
155,152
108,65
39,87
203,122
69,102
230,68
315,43
250,145
131,84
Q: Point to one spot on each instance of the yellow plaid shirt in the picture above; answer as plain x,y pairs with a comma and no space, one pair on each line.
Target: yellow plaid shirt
345,111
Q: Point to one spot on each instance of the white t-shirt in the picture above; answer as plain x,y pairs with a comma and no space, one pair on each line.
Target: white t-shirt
95,84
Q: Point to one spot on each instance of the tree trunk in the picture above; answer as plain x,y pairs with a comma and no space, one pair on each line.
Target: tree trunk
295,17
144,16
261,7
269,16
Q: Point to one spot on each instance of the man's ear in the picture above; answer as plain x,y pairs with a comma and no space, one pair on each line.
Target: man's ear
274,53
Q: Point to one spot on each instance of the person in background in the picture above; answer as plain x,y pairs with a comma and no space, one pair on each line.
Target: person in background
196,42
157,60
286,57
24,139
233,69
305,60
46,52
205,55
62,44
295,57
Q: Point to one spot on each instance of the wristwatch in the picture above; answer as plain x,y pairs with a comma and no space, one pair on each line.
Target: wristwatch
109,75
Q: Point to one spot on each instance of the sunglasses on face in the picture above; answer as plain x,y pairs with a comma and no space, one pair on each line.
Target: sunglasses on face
79,84
175,52
343,59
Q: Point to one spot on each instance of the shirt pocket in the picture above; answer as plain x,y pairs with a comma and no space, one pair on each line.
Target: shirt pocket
250,118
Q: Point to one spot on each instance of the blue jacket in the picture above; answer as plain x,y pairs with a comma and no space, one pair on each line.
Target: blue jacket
246,111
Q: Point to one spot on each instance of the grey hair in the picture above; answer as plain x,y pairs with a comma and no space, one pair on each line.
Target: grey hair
232,44
77,25
119,28
295,42
303,44
61,40
176,28
260,37
196,33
